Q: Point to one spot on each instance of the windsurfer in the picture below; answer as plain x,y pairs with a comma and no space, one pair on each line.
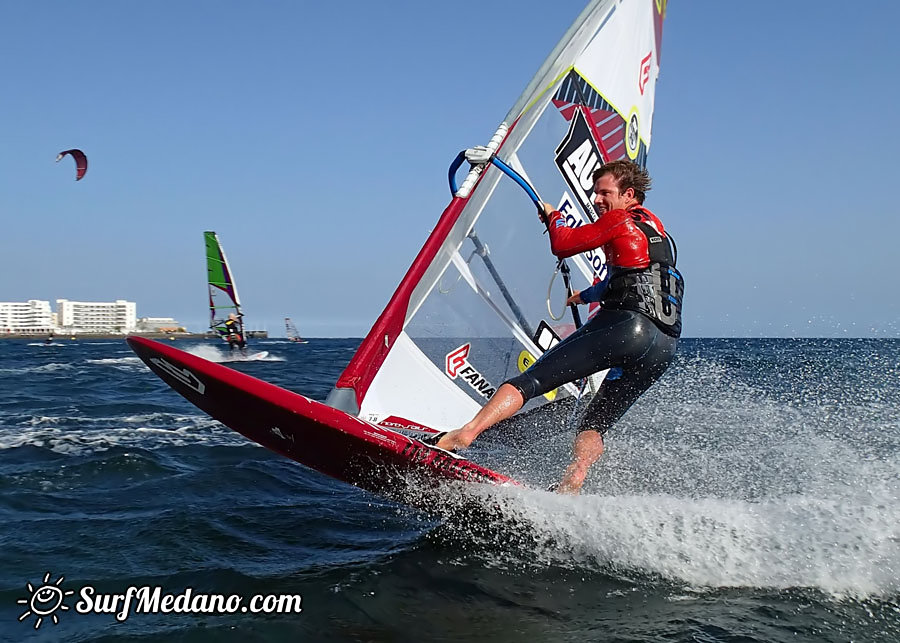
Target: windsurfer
634,332
232,333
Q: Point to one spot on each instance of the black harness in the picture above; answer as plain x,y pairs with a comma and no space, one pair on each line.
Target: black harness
655,291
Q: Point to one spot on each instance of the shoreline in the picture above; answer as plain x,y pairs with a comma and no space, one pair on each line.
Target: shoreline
251,334
65,337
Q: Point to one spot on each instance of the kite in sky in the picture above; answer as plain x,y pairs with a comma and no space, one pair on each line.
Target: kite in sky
80,162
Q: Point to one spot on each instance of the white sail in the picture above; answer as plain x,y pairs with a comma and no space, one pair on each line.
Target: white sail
465,317
291,332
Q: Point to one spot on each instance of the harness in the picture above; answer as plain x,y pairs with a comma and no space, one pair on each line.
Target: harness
655,291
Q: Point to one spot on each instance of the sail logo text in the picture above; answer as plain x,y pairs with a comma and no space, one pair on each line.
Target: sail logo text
458,365
596,258
644,76
577,157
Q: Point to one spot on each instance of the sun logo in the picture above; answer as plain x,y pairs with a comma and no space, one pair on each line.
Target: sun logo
44,601
633,135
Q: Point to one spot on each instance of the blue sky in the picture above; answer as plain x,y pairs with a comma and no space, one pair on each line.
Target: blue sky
315,139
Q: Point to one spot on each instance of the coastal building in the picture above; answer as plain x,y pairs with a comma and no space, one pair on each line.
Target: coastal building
159,325
32,317
96,317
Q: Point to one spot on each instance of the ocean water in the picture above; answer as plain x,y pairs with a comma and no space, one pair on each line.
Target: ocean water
752,495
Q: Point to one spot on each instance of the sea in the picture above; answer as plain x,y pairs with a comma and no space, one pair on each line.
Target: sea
752,495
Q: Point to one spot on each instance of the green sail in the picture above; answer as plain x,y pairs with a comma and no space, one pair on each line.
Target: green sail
223,296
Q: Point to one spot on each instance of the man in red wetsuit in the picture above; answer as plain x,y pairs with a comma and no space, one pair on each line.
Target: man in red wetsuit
636,329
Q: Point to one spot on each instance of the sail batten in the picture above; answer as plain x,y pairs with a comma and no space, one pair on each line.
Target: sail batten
589,103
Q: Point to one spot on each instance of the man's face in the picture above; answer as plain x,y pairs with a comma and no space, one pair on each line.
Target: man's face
608,197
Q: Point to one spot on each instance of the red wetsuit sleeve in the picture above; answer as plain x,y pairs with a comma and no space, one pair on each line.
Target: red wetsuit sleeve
566,241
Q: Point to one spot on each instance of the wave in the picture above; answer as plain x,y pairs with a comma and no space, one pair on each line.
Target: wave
213,354
126,364
115,361
80,436
723,475
43,368
844,546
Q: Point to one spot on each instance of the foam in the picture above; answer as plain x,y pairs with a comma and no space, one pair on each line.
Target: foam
129,363
79,436
719,479
43,368
838,545
213,354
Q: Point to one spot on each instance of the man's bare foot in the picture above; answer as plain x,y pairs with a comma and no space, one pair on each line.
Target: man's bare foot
454,440
569,487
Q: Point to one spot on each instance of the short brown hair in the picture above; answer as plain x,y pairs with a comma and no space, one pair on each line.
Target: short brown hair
628,174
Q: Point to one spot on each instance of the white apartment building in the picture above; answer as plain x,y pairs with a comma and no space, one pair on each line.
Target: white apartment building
29,317
96,317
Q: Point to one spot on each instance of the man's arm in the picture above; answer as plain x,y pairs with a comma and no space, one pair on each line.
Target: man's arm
594,293
590,294
566,241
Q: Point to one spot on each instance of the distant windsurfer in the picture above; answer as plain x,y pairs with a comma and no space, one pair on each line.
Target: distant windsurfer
232,333
636,329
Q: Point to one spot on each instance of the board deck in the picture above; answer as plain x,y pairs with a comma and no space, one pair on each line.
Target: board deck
328,440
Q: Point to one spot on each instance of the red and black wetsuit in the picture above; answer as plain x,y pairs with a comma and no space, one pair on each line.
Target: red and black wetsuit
637,326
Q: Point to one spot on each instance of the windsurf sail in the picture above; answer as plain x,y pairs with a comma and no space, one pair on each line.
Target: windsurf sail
290,330
223,295
473,309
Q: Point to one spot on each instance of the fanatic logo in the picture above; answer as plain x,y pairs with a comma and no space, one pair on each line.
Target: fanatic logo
458,365
44,601
457,359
